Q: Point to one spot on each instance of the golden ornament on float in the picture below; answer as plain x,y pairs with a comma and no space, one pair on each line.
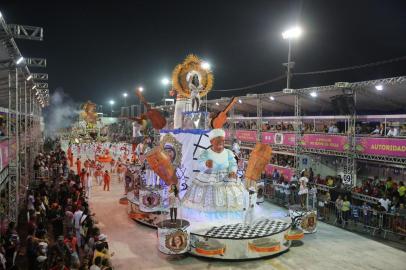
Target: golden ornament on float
182,73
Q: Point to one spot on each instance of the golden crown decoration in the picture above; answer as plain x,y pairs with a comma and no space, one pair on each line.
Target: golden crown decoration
181,76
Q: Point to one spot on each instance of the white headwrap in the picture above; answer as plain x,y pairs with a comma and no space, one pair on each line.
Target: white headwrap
218,132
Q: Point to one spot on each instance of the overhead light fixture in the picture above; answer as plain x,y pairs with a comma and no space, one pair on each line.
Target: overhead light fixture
240,101
217,104
125,95
29,77
271,98
379,87
140,88
111,102
20,60
35,86
313,94
1,15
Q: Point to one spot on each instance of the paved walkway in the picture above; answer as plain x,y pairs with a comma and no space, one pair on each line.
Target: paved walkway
330,248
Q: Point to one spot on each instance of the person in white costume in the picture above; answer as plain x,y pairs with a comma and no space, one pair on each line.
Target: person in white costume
216,187
250,206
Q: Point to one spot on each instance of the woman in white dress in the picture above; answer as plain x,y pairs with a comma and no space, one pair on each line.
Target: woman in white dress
303,190
216,187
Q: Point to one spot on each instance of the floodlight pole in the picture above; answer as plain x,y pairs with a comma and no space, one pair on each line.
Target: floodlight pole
288,74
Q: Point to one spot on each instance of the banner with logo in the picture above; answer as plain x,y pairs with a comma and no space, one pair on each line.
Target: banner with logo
278,138
382,146
326,142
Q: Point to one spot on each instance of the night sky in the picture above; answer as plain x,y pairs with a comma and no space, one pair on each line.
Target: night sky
97,50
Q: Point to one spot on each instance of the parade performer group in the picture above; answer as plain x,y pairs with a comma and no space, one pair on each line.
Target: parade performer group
95,169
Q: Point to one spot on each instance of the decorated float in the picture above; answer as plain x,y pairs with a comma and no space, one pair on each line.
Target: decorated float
189,188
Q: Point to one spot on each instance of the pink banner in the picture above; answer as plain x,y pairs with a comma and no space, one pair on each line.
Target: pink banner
326,142
287,172
278,138
246,135
3,154
382,146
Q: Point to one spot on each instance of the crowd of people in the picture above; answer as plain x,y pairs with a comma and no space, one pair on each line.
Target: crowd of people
342,204
61,229
361,128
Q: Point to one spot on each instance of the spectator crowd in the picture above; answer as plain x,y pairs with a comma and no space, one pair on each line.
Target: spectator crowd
60,231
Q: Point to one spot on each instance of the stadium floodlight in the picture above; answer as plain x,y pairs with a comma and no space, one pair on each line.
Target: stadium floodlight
293,32
379,87
205,65
165,81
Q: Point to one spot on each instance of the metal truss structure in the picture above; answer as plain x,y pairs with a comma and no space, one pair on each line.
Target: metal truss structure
40,76
22,97
26,32
36,62
303,96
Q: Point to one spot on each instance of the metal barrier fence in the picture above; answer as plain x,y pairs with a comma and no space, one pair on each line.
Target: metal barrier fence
362,217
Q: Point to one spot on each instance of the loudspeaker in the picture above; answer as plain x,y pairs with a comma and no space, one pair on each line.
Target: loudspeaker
343,104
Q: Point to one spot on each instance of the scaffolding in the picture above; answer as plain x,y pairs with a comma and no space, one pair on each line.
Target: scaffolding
23,95
298,104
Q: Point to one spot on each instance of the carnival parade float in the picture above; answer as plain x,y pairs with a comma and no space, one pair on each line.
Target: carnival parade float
189,188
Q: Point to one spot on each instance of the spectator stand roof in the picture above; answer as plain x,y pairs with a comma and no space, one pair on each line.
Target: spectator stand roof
368,100
10,54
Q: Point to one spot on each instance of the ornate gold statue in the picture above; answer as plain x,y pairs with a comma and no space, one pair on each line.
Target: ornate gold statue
89,114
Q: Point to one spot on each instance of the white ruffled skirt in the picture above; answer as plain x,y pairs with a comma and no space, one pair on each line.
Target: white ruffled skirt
214,192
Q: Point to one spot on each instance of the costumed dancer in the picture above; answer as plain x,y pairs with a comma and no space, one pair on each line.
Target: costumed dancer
87,165
88,184
250,206
70,156
174,203
82,176
98,174
121,172
78,165
92,167
303,190
195,87
216,187
106,180
112,163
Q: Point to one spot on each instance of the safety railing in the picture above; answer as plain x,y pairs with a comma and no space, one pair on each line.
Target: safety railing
363,216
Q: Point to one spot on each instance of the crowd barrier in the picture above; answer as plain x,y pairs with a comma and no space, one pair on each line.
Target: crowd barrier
361,218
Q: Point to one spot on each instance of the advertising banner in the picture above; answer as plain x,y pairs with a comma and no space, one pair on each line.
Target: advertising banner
287,172
382,146
246,135
326,142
